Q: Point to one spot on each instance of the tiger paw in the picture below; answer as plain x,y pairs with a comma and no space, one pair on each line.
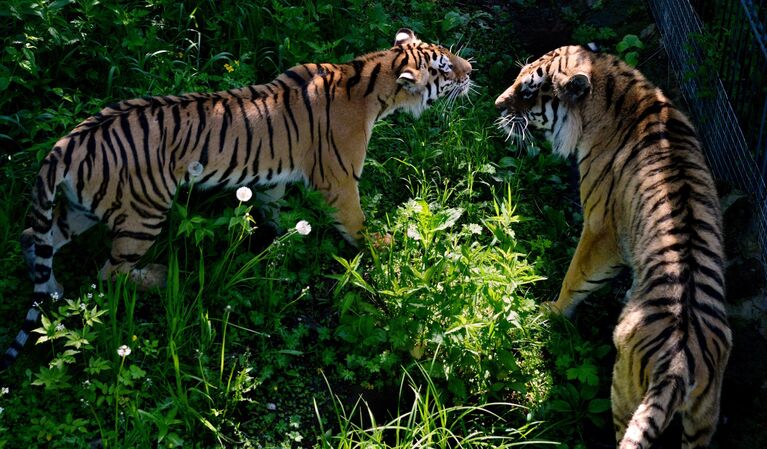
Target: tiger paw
549,307
553,308
151,276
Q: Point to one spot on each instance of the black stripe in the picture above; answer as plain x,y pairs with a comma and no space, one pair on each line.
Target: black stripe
373,79
136,235
144,123
286,103
227,117
290,142
232,162
44,251
358,66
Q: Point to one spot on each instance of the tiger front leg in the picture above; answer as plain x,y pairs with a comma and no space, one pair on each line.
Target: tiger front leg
595,262
348,214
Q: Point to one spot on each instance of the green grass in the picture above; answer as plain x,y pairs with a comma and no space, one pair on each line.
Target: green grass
432,337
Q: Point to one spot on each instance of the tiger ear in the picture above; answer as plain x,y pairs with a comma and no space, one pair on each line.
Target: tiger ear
404,36
575,88
409,79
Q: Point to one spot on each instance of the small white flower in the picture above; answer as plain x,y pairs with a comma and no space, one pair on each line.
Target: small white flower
93,286
55,296
412,232
123,351
195,169
1,410
83,306
271,406
90,295
4,391
244,194
60,327
475,228
303,227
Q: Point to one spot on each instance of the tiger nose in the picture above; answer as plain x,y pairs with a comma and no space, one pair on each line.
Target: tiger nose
504,101
462,66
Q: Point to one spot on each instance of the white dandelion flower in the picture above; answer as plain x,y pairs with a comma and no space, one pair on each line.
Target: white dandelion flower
123,351
195,169
412,232
303,227
244,194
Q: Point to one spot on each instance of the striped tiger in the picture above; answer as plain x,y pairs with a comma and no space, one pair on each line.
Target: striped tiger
124,165
649,202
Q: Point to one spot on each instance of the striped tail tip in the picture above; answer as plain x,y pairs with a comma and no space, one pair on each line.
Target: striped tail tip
13,351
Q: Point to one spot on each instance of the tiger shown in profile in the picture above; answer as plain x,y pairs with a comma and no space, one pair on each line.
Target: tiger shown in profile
649,202
123,166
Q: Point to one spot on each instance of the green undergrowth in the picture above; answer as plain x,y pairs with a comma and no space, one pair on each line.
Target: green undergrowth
429,335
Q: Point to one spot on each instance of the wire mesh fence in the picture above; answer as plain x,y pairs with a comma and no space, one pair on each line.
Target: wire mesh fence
717,50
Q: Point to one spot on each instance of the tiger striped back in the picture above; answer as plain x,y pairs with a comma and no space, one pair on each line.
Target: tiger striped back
649,202
124,165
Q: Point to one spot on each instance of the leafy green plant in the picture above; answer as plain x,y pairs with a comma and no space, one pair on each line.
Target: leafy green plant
628,49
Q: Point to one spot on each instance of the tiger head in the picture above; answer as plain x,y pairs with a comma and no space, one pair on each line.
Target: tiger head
426,72
549,95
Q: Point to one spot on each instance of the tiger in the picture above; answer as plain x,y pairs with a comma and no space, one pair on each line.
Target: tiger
312,123
649,202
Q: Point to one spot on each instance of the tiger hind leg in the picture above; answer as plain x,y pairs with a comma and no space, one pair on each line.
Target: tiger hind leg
127,249
68,222
699,422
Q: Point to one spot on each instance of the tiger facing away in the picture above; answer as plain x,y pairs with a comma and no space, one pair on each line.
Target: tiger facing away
123,165
649,202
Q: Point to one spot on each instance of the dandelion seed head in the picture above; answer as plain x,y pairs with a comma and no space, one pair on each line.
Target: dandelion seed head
123,351
244,194
195,169
303,227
